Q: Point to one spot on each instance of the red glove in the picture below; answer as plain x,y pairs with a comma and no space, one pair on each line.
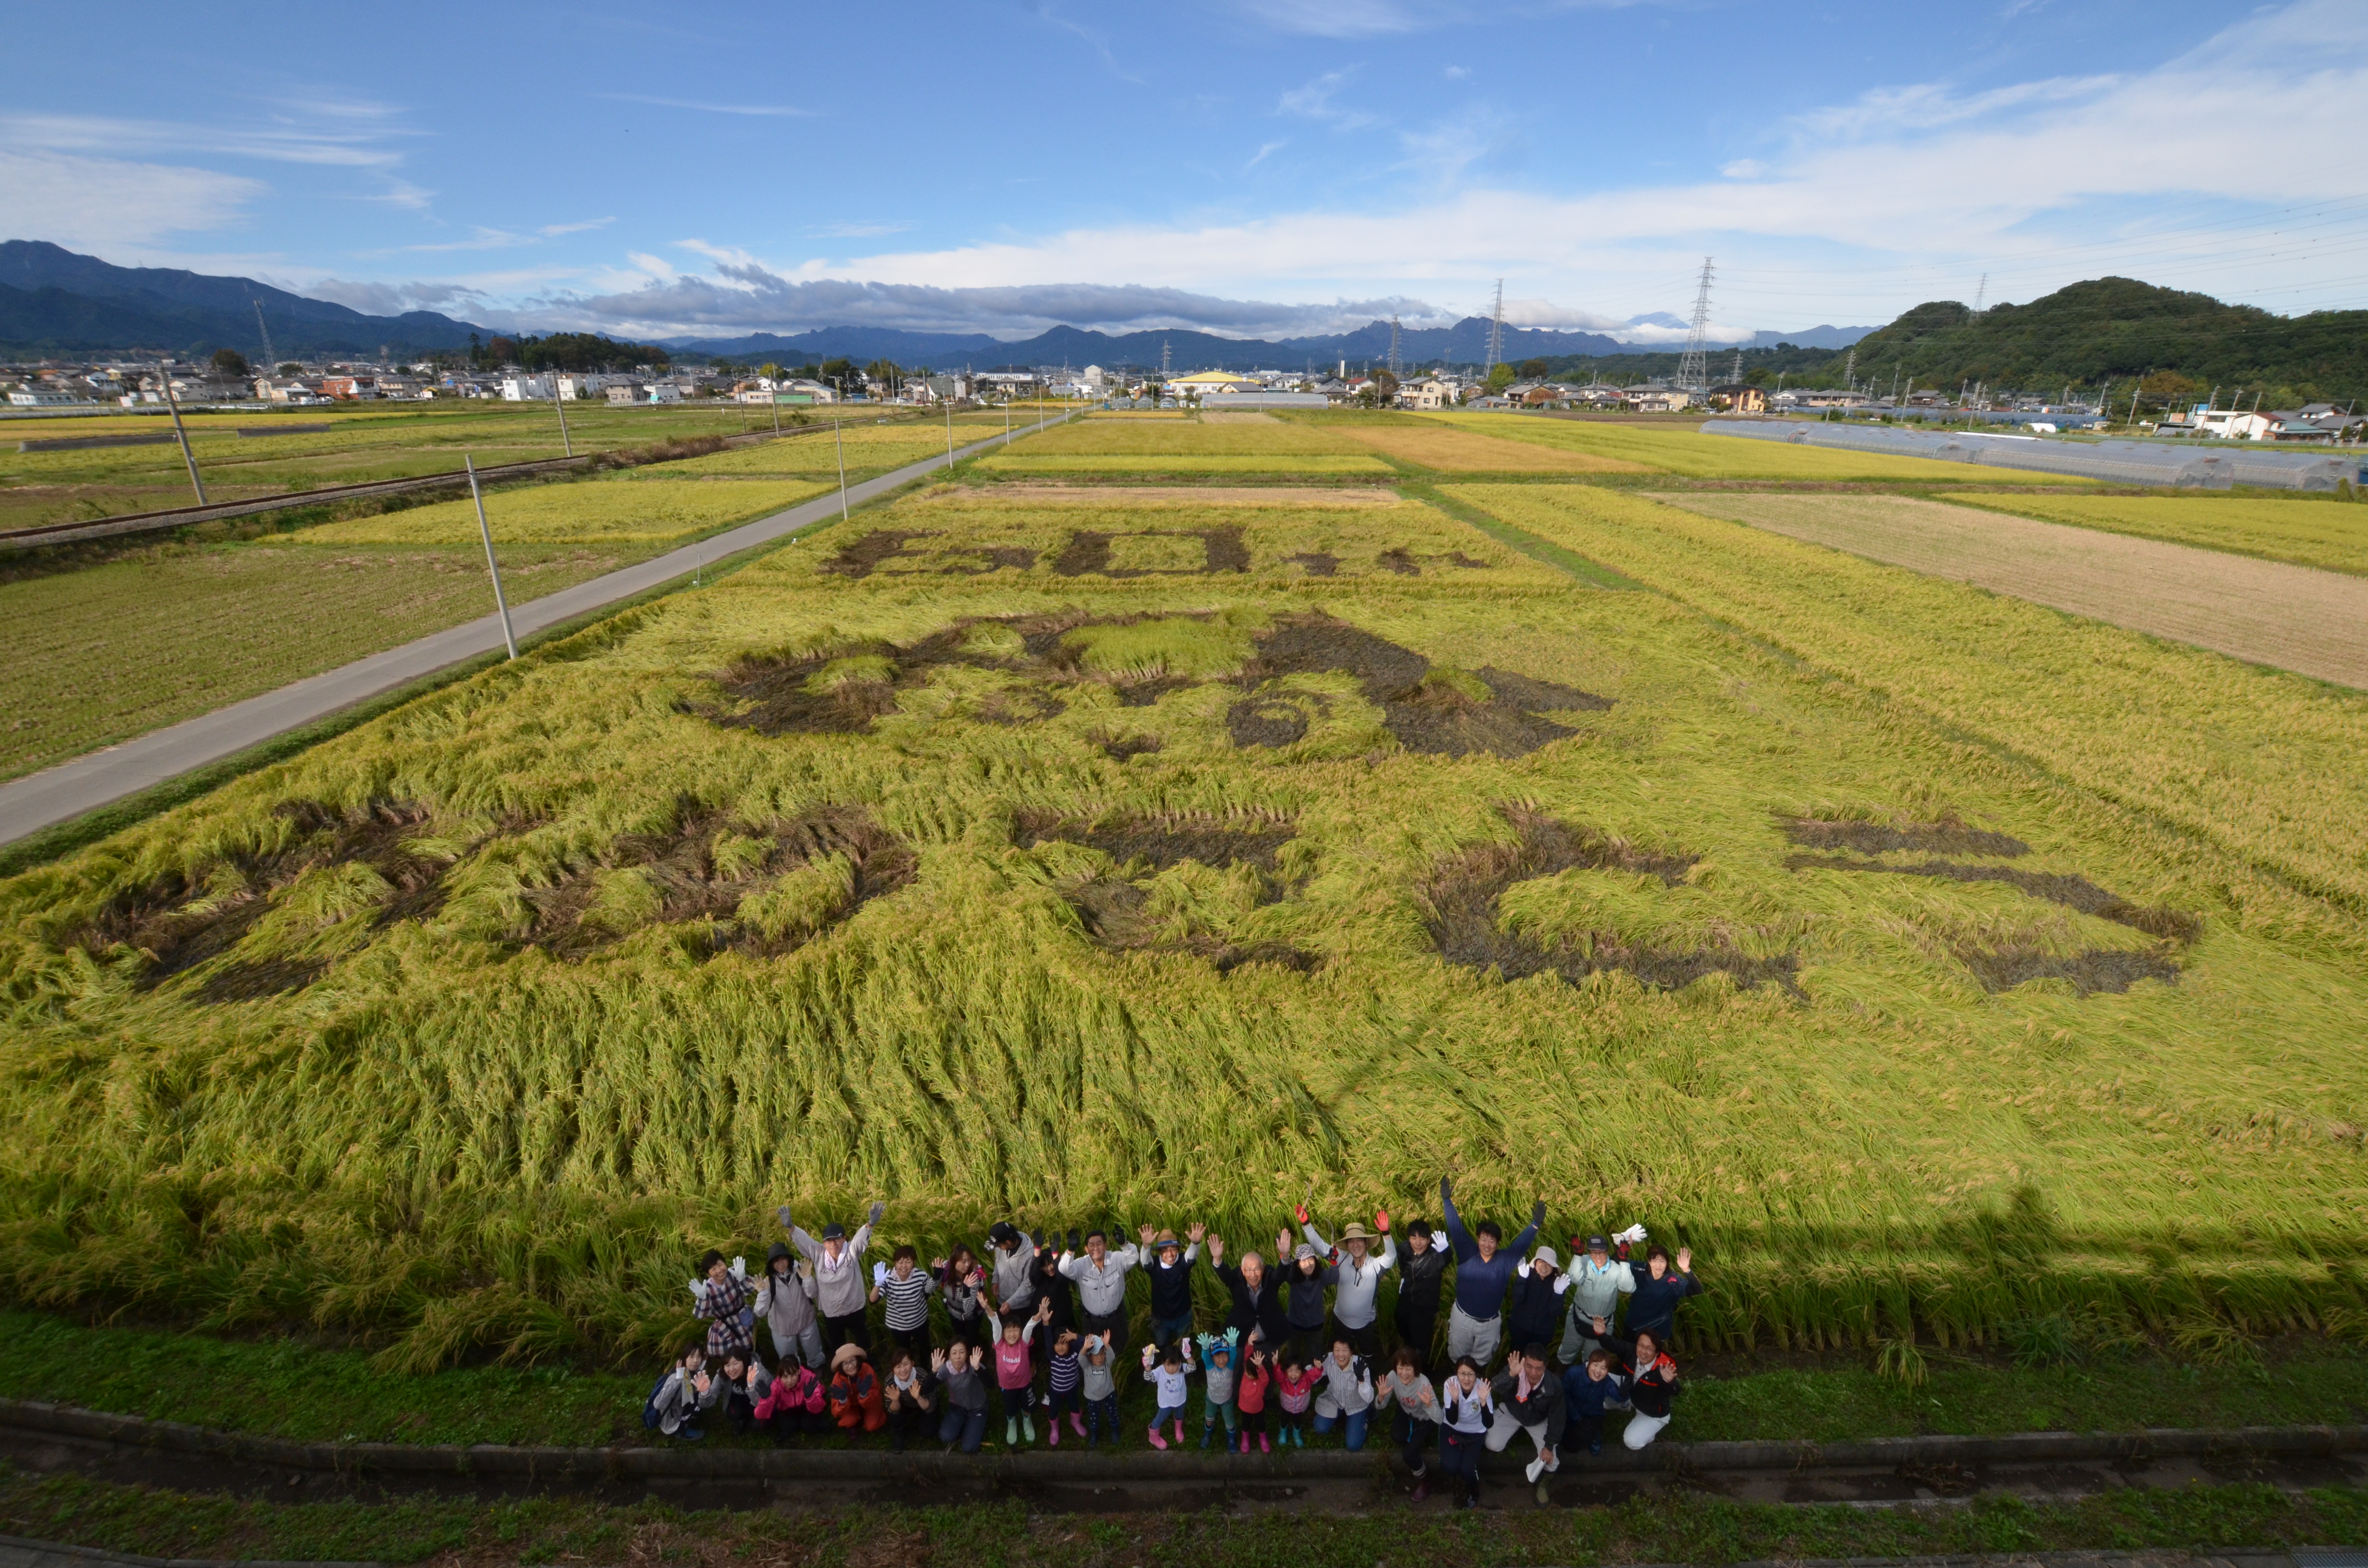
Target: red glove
1302,1213
1382,1221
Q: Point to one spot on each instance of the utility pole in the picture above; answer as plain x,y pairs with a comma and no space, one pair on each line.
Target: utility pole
485,531
557,402
950,429
165,375
839,435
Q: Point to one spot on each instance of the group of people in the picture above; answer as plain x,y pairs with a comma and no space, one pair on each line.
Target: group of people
1038,1326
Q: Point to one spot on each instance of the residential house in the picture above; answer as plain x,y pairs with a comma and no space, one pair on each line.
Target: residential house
622,394
1739,397
527,389
1432,393
349,389
1655,400
32,395
1211,381
664,391
1834,399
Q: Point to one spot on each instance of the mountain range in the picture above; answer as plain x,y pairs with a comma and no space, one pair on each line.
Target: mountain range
56,301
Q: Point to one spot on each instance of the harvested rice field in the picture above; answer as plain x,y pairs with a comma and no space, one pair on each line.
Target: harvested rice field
2291,618
589,511
1692,455
1926,960
1470,451
2308,531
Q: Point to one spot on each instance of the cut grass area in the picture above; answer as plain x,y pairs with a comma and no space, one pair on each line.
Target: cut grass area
100,655
1687,1527
1697,456
2314,532
1024,458
306,1393
979,874
592,513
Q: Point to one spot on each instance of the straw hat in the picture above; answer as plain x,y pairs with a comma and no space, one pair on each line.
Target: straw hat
1355,1232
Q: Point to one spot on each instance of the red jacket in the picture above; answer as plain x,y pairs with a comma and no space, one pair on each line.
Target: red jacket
1250,1389
855,1399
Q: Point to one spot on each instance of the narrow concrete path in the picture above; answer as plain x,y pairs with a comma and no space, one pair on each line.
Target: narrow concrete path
2266,612
61,793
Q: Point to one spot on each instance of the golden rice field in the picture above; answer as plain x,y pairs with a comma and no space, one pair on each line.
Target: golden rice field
1035,461
2313,532
593,511
1694,455
869,449
1924,959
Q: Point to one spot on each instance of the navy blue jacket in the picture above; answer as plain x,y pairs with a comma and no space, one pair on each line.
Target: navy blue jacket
1535,1316
1654,1304
1480,1287
1583,1396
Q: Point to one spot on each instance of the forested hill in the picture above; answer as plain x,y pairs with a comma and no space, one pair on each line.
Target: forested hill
2117,328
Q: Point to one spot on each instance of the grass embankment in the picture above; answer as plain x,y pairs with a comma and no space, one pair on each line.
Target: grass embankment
364,443
992,861
1689,1527
2311,530
283,1389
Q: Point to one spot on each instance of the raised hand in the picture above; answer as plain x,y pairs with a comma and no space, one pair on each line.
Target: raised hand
1382,1221
782,1214
1300,1213
1144,1237
937,1361
1195,1230
1685,1260
1216,1248
877,1211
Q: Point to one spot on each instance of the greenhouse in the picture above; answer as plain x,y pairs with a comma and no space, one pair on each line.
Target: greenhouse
2123,462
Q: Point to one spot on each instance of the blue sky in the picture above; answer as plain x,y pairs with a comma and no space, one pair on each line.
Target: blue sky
1255,169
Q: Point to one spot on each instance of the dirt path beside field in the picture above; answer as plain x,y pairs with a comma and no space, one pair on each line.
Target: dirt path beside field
2295,617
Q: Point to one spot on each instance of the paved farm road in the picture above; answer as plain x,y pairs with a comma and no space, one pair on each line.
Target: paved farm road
2267,612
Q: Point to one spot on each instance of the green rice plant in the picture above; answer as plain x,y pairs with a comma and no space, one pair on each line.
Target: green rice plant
598,510
2308,531
1011,890
1698,456
1900,1361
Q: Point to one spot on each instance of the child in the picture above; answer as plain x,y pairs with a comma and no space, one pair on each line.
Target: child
1346,1400
795,1402
1465,1410
683,1395
962,1392
746,1383
962,1280
906,1290
1217,1382
1167,1370
1295,1390
1249,1396
1098,1383
1588,1390
908,1396
855,1402
1015,1370
721,1296
1062,1375
1405,1386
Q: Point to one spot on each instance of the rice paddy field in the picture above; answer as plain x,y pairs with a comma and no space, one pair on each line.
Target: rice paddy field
2306,531
1692,455
389,441
1930,962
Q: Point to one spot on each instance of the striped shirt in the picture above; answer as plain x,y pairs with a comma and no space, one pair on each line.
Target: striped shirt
907,1300
1065,1373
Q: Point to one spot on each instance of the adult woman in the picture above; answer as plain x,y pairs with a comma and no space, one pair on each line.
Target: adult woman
1466,1408
1652,1382
1405,1386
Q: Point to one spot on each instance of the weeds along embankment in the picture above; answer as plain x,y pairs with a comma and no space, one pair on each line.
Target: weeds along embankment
1063,856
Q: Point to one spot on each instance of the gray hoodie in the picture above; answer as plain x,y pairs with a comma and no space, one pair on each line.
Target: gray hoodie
1354,1287
840,1288
679,1403
1015,1283
786,1301
1345,1389
1098,1382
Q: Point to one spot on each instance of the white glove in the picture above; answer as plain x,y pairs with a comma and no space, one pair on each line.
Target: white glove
699,1289
740,1268
1631,1236
1561,1283
879,1274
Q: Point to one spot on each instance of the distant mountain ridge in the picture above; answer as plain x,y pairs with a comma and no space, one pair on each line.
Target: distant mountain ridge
1464,343
54,301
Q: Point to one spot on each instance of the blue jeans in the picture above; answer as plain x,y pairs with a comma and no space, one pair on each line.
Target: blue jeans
1165,1332
1098,1411
1353,1424
963,1429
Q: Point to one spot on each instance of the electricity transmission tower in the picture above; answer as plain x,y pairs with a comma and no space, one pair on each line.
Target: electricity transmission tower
1736,374
270,360
1693,370
1163,358
1394,346
1496,333
1981,292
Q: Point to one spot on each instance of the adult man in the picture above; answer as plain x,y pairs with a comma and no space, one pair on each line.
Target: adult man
1170,1272
840,1288
1528,1400
1483,1269
1014,1254
1598,1281
1358,1282
1257,1303
1653,1308
1101,1279
1422,1270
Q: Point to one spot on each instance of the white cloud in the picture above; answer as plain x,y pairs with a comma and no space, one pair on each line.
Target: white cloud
1313,100
99,202
353,143
1743,168
1260,156
392,299
695,105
